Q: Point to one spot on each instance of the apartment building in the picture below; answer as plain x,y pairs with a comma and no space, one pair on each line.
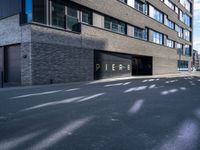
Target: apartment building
195,61
59,41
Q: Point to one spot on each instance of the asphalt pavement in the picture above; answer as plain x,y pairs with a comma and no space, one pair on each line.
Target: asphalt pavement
132,114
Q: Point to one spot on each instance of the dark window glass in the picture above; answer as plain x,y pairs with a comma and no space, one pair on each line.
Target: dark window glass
40,11
72,18
188,51
139,5
140,33
58,14
182,65
28,10
86,16
115,25
156,37
179,49
156,14
72,12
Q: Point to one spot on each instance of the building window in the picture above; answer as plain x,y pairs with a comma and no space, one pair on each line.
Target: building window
115,25
170,43
140,33
181,15
155,14
139,6
86,16
182,65
40,11
28,11
170,4
58,14
187,20
169,23
186,4
72,18
179,48
187,35
179,30
156,37
176,9
188,51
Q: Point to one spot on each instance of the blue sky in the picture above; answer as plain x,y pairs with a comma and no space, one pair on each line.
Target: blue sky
197,25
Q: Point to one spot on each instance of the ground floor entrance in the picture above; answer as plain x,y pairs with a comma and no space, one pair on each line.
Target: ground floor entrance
142,65
10,64
109,64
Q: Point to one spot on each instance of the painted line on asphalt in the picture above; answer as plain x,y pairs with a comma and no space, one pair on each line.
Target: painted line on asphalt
36,94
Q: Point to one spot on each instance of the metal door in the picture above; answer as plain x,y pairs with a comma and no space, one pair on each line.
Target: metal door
12,64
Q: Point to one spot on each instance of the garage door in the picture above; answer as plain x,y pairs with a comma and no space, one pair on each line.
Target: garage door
108,65
12,64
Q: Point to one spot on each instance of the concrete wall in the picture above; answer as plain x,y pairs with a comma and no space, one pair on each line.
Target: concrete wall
164,58
10,7
10,31
131,16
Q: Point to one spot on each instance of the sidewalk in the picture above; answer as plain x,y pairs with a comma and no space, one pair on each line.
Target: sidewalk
181,74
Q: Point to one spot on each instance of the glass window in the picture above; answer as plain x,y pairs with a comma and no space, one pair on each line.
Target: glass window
115,25
179,30
188,51
169,23
58,14
187,35
186,4
86,16
139,5
140,33
156,14
181,16
179,48
182,65
27,15
170,43
72,18
176,9
40,11
170,4
156,37
187,20
28,10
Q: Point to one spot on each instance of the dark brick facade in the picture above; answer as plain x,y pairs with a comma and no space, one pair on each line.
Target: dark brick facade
60,64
